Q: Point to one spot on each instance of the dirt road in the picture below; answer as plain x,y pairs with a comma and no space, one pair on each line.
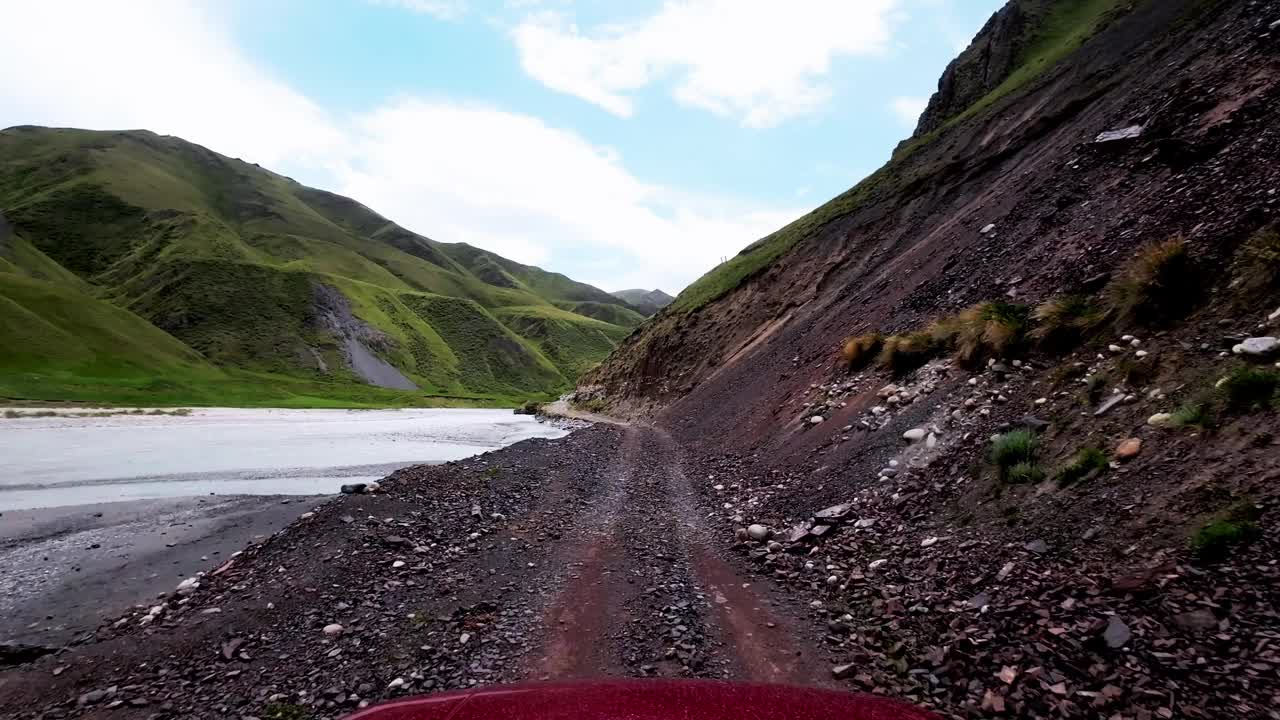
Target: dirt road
587,556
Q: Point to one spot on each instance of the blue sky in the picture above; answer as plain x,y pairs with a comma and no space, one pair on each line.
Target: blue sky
623,144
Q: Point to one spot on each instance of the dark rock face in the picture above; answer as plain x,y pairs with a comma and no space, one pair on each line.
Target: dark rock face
988,60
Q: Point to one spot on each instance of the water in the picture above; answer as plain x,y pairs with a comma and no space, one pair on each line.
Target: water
55,462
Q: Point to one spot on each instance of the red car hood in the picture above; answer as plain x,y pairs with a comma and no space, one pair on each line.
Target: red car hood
644,700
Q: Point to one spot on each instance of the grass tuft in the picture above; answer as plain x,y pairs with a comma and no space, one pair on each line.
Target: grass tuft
1157,286
1016,451
903,353
1083,464
285,711
858,352
1063,323
1257,266
1233,527
1250,389
989,329
1196,413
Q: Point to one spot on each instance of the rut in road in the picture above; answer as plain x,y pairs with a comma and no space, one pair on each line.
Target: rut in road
645,591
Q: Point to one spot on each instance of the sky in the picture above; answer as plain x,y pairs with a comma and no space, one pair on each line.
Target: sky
626,144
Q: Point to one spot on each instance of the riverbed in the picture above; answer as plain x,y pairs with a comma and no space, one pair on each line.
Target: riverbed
62,461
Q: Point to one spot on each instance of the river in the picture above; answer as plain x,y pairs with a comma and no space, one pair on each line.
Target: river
62,461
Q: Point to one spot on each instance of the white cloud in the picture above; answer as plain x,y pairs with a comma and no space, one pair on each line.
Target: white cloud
908,110
761,61
454,172
441,9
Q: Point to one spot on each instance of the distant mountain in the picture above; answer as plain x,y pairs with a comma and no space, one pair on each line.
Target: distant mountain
647,301
139,266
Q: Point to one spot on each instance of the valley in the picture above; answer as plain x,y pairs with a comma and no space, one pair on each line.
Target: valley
993,433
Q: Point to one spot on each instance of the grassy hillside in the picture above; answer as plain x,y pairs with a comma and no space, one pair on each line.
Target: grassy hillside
570,341
258,280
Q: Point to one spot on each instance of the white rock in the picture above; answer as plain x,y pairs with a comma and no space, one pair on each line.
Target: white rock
1126,338
188,586
1142,353
816,420
1115,348
877,410
893,463
931,441
717,487
887,390
464,638
986,229
758,532
973,381
1135,342
1257,346
928,542
877,564
397,564
1042,401
1160,420
865,523
914,435
332,629
394,684
1275,315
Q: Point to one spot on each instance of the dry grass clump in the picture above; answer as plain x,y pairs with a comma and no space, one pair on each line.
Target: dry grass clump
989,329
1063,323
903,353
1158,286
1258,263
858,352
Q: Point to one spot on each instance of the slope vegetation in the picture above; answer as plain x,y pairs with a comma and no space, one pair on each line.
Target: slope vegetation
256,274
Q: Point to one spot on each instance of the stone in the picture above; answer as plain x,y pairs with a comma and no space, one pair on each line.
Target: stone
928,542
877,564
1032,422
1107,404
1129,449
931,441
1042,401
840,672
1196,621
1160,420
1117,634
1037,546
1257,346
333,629
834,514
986,229
1119,135
188,586
887,391
758,532
915,435
817,420
397,564
395,684
1115,348
1275,315
354,488
865,523
1141,354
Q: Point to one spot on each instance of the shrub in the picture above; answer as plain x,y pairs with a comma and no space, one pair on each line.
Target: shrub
1156,287
1085,462
858,352
903,353
1248,389
1063,323
990,329
530,407
1013,449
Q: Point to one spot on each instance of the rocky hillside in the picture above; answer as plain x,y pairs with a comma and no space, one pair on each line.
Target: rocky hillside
1016,391
280,293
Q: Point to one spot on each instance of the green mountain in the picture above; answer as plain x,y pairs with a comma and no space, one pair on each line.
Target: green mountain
139,267
648,302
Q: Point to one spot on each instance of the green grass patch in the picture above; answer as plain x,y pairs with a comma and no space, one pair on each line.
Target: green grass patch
1249,389
1196,413
1085,463
1061,324
1014,455
1231,528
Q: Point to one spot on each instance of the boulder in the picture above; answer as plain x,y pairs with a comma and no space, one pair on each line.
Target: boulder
1160,420
758,532
915,435
1257,347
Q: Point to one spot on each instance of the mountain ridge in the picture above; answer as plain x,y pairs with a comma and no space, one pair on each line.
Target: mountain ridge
246,267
